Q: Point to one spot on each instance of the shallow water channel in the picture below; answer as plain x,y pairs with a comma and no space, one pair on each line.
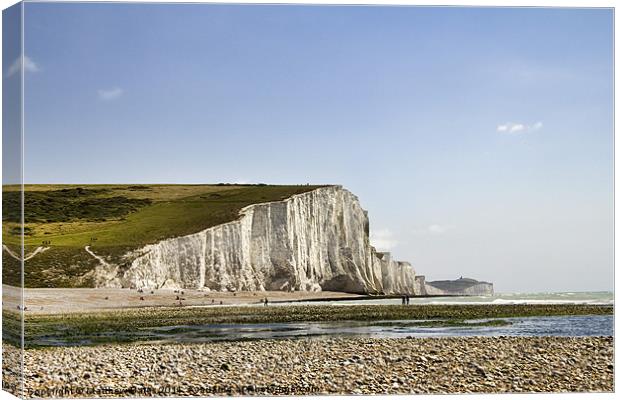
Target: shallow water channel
588,325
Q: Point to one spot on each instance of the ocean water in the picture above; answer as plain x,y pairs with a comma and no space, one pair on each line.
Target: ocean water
594,298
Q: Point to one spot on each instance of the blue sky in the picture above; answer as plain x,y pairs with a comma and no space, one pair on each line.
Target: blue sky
479,139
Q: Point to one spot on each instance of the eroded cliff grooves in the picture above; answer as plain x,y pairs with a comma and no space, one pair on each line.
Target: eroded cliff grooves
313,241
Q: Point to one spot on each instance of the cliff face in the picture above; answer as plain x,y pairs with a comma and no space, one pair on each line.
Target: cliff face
313,241
462,286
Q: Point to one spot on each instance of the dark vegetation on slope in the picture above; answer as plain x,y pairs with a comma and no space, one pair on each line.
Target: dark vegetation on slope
66,205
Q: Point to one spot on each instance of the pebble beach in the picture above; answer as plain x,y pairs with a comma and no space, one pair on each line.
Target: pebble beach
320,366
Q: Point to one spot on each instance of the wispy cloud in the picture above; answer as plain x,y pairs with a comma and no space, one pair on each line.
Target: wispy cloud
433,229
110,94
382,239
29,66
517,128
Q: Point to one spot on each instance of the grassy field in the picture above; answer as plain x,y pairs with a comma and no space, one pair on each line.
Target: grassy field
113,219
127,325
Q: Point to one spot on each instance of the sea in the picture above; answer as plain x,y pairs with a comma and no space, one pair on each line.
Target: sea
594,298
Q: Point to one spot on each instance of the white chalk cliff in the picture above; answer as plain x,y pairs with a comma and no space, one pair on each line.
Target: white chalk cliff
458,287
312,241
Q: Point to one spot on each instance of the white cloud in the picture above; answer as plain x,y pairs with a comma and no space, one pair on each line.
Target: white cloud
382,240
537,125
433,229
110,94
29,66
513,128
517,128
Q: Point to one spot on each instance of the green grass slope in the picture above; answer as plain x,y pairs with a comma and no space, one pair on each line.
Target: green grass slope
113,219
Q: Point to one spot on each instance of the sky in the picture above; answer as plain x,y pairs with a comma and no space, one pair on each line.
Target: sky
480,140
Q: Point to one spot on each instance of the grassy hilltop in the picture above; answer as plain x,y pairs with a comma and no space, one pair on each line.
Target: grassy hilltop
113,219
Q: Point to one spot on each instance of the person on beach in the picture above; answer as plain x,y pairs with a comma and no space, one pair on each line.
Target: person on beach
403,299
407,299
265,302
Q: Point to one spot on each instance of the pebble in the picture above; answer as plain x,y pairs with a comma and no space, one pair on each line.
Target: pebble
320,366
